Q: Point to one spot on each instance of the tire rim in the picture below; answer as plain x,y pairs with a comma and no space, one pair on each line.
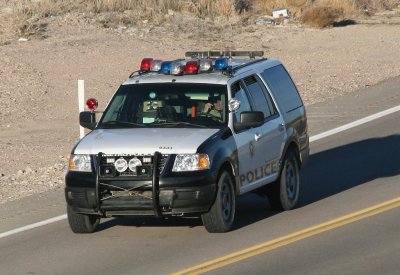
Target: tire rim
291,180
226,202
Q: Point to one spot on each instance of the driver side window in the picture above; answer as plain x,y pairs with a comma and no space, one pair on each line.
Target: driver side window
239,93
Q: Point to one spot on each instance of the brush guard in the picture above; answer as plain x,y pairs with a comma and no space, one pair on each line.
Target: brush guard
141,198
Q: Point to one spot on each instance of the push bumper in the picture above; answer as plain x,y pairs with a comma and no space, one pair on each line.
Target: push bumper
171,193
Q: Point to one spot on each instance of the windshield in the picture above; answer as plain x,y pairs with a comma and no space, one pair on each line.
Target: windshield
167,105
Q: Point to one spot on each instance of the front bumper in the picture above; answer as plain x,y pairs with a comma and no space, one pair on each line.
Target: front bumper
169,193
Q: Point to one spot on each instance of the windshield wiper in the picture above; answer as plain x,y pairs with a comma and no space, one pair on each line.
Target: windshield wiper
177,123
121,123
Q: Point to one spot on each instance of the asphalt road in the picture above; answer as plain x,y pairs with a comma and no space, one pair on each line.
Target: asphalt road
347,172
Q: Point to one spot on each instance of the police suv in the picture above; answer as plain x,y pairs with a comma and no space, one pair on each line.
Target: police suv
186,137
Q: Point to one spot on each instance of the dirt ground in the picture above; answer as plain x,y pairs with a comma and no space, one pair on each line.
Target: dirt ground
38,78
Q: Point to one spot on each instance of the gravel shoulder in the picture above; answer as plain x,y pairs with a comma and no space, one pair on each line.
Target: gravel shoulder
38,87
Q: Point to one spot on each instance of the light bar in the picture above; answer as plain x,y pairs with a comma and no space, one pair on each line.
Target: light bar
200,62
209,54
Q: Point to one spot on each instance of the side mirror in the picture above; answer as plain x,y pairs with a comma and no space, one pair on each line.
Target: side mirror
249,119
87,119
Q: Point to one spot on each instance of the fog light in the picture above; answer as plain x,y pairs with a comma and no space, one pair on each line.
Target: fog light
121,165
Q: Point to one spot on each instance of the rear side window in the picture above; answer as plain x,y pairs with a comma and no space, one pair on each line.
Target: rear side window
283,88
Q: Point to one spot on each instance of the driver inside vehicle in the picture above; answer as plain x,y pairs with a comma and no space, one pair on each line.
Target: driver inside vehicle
214,108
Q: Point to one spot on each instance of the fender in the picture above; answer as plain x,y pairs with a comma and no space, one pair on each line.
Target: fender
221,149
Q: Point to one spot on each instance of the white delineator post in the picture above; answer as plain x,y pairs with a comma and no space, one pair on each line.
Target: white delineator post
81,101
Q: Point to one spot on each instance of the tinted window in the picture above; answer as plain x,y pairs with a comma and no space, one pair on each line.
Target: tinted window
283,88
256,92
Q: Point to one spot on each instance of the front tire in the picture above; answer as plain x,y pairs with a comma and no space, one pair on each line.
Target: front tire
221,216
81,223
284,193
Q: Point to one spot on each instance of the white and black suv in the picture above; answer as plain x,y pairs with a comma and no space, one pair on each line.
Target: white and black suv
186,137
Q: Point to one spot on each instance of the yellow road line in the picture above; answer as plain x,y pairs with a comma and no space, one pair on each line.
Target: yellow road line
291,238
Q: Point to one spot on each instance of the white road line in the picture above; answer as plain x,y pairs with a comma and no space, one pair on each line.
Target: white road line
33,225
355,123
313,138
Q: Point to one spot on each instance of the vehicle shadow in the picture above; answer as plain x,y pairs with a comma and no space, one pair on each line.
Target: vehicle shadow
129,221
327,173
250,209
331,172
338,169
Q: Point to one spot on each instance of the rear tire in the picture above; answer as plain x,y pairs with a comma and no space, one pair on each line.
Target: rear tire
284,193
221,216
82,223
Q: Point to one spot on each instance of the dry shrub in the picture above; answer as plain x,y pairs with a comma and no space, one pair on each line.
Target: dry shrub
31,8
376,4
296,3
225,8
212,8
155,10
320,17
24,16
349,8
28,17
352,8
203,8
141,6
346,7
29,29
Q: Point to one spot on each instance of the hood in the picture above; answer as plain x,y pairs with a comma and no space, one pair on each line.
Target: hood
143,141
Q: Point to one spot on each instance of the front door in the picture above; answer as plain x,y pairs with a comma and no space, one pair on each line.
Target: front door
250,154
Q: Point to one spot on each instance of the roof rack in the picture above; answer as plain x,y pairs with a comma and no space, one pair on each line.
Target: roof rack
206,54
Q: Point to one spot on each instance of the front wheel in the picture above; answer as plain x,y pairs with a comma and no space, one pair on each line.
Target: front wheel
284,193
82,223
221,216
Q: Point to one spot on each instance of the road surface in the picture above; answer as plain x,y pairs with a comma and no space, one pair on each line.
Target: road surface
347,172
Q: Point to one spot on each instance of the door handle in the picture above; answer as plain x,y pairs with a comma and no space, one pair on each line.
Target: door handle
281,127
257,136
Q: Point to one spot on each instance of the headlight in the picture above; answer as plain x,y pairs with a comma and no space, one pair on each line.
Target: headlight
81,163
191,162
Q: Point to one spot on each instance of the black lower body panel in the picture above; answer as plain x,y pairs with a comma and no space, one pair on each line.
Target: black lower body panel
172,201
